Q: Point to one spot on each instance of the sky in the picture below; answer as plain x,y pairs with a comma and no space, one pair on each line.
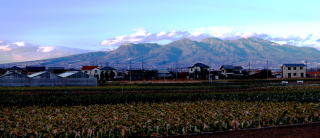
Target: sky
106,24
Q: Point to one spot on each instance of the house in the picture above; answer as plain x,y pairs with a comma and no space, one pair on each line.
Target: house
199,71
42,75
33,69
17,70
13,75
74,74
165,74
138,74
108,73
228,71
294,70
92,70
56,69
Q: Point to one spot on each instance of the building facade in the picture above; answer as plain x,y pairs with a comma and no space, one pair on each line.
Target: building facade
199,71
228,71
294,70
92,70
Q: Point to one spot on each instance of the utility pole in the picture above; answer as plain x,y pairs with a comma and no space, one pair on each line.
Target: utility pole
176,70
306,66
130,69
142,63
249,67
267,69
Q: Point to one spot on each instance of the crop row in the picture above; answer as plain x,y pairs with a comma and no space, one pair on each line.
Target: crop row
89,99
156,119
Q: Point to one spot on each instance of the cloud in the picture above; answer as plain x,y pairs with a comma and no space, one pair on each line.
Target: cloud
45,49
142,36
21,44
5,48
227,33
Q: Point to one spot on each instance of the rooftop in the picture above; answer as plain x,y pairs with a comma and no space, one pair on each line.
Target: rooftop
67,74
89,67
231,67
200,65
294,65
36,74
107,68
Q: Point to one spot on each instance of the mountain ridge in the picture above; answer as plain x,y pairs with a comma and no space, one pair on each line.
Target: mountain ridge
185,52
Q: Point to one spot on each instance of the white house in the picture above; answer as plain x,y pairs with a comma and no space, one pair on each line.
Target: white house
92,71
198,67
230,70
294,70
199,71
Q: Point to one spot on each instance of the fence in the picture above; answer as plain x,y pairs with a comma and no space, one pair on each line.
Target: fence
49,82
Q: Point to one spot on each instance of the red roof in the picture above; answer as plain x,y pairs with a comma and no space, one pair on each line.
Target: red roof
313,72
89,67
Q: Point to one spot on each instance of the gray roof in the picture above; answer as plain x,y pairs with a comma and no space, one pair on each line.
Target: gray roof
107,68
231,67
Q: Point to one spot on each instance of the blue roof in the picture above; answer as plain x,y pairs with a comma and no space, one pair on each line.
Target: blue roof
294,65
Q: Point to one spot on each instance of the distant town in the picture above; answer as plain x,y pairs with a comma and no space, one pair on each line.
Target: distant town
97,75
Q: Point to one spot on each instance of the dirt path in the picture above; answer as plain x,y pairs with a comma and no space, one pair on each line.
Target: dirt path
294,131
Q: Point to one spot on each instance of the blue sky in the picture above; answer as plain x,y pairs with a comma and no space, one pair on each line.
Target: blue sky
97,24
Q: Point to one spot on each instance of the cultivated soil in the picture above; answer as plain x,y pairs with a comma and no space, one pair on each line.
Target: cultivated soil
291,131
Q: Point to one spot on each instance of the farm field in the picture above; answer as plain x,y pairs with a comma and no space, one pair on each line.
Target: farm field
157,119
154,109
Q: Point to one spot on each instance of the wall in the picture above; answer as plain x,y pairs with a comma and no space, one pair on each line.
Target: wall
49,82
298,72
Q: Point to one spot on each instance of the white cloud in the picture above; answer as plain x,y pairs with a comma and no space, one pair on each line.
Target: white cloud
5,48
141,35
45,49
21,44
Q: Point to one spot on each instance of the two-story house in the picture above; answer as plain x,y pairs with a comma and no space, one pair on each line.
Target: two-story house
92,71
231,71
199,71
294,70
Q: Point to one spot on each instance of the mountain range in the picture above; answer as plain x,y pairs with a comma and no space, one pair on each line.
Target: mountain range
21,51
185,52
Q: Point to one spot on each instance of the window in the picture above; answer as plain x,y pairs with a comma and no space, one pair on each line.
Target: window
95,71
294,68
301,68
294,74
289,68
289,75
302,74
